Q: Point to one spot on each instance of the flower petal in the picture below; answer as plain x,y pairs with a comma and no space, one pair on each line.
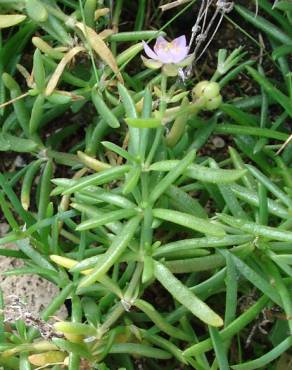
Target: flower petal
149,52
180,42
160,43
164,57
178,53
162,49
164,54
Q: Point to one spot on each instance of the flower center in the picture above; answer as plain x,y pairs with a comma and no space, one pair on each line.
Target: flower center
167,47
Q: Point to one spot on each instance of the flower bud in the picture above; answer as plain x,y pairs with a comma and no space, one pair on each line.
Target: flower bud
213,103
207,89
211,90
199,89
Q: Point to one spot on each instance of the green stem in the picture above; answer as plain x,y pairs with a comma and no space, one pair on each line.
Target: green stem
140,15
117,13
163,99
134,283
159,132
89,45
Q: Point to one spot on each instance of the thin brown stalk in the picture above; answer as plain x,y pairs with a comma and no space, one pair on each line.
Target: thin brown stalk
173,4
14,100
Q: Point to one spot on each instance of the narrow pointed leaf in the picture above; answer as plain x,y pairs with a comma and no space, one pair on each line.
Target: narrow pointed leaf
105,219
8,20
201,173
173,175
256,229
189,221
187,298
113,253
96,179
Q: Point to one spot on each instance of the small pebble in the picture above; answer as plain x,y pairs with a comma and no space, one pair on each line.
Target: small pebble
218,142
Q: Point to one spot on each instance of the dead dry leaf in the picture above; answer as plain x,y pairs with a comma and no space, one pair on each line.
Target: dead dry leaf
173,4
285,144
106,33
60,69
100,47
73,96
28,77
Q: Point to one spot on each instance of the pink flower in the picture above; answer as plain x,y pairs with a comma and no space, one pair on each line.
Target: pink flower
168,52
169,55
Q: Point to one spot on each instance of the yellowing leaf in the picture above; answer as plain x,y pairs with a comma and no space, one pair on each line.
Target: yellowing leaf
60,69
67,263
8,20
100,47
50,357
91,162
46,48
100,13
105,33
